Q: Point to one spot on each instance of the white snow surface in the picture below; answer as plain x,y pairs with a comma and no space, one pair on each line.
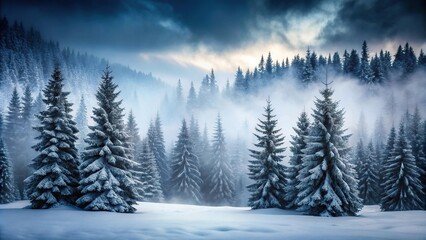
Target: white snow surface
177,221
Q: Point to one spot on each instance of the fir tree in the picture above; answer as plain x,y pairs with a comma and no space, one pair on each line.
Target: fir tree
157,147
365,70
185,179
13,137
298,144
268,65
402,186
354,64
107,183
239,84
308,71
132,131
149,176
55,174
266,168
337,65
81,124
328,186
421,60
368,177
220,181
213,85
27,105
7,191
191,103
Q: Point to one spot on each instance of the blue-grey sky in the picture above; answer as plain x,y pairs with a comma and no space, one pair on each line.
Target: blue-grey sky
185,38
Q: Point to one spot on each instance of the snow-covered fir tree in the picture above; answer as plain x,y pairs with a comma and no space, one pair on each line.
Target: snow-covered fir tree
132,131
204,159
308,71
106,180
185,178
81,124
148,175
13,137
298,144
365,69
55,175
402,186
220,180
7,191
328,186
157,147
368,177
265,167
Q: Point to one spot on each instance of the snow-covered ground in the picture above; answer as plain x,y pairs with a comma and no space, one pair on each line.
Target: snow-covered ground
175,221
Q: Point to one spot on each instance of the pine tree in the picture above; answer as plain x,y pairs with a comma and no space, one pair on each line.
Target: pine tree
308,71
132,132
55,174
157,147
185,179
179,92
298,144
415,137
266,168
421,60
365,70
346,67
81,124
27,105
268,65
239,84
337,65
204,160
220,180
213,85
148,175
7,191
107,183
191,103
12,135
369,178
402,186
354,64
328,186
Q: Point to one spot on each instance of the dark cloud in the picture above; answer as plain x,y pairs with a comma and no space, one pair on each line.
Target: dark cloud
376,21
152,25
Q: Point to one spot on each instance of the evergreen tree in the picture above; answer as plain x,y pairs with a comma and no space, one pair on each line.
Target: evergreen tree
220,180
354,64
398,62
368,177
27,105
203,94
266,168
402,186
268,65
213,85
308,71
157,147
261,67
337,65
191,103
132,132
346,66
378,75
7,191
410,59
149,176
107,183
421,61
204,159
13,138
298,144
185,179
239,84
328,186
365,70
81,124
55,174
179,92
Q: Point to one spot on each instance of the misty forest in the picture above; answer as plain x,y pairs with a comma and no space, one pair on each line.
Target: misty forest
314,133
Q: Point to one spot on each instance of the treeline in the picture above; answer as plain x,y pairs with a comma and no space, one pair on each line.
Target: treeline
28,60
108,166
396,167
323,179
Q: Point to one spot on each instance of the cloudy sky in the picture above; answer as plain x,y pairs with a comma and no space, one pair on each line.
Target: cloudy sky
185,38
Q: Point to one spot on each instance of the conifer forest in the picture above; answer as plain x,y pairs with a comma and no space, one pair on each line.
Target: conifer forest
266,119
